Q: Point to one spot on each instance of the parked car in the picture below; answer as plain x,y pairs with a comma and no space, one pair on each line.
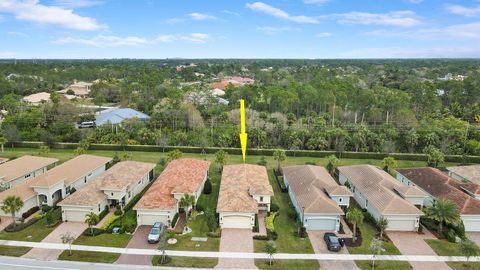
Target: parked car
87,124
333,244
156,232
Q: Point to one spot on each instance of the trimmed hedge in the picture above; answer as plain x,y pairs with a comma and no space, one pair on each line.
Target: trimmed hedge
255,152
96,231
174,220
30,212
21,226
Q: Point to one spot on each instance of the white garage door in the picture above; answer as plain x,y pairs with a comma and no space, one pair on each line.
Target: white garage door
150,219
320,224
75,215
401,225
471,225
240,222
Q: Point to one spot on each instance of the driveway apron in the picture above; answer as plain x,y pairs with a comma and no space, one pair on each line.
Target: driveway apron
139,240
320,247
236,240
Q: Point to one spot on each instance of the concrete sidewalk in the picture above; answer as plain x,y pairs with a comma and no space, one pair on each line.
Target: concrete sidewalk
246,255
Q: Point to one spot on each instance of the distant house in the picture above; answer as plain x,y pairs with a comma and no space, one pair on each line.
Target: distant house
161,201
438,185
38,98
79,89
118,115
469,173
19,170
244,191
116,186
383,196
316,196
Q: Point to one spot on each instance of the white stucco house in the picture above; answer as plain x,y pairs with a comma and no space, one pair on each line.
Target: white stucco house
381,195
161,201
17,171
316,196
116,186
244,191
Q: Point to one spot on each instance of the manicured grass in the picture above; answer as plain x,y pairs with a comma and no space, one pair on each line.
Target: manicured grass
288,264
369,232
445,248
89,256
384,265
104,240
210,200
192,262
33,233
13,251
199,229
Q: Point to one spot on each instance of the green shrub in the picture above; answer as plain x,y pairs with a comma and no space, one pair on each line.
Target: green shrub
292,214
118,212
96,231
272,235
207,189
174,220
103,213
262,161
30,212
21,226
46,208
260,237
109,220
451,235
274,207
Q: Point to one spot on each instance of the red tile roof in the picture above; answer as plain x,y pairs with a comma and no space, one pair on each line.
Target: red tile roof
180,176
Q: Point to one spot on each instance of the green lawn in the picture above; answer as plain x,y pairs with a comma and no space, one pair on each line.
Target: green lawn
34,233
288,264
384,265
192,262
13,251
89,256
445,248
104,240
287,241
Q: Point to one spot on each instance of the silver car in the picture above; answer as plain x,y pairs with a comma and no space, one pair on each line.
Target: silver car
156,232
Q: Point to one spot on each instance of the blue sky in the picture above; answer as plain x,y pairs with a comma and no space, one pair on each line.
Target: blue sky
239,29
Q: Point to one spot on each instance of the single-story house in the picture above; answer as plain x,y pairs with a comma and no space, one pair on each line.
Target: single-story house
79,89
316,196
244,190
116,186
26,194
470,173
118,115
19,170
439,185
161,201
37,98
381,195
73,174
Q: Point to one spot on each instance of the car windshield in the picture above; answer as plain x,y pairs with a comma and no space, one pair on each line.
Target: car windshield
333,239
154,231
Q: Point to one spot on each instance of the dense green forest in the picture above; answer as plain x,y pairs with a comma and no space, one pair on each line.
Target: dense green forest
342,105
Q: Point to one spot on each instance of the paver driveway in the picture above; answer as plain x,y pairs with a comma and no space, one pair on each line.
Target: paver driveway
5,222
474,236
412,243
236,240
319,246
139,240
74,228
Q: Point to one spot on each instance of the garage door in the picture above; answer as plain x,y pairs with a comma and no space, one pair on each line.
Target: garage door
401,225
144,219
74,215
320,224
240,222
471,225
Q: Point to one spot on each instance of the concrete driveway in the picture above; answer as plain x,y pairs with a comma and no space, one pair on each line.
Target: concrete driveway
74,228
412,243
139,240
236,240
320,247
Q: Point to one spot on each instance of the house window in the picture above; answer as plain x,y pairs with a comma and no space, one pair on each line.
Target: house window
129,194
67,190
28,175
85,180
339,199
366,203
111,193
99,208
261,198
139,182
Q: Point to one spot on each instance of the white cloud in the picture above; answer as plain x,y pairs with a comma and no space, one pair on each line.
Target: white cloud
77,3
403,18
463,10
19,34
104,41
201,16
231,12
34,11
316,2
270,30
462,31
278,13
198,38
323,34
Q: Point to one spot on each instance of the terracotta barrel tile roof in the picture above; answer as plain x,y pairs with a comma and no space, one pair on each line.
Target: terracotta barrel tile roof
440,185
239,183
379,188
180,176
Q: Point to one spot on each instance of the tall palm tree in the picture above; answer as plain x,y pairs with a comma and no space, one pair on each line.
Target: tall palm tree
354,216
11,205
186,201
444,212
91,219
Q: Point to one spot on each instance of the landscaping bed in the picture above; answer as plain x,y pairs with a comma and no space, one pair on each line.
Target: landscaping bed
35,232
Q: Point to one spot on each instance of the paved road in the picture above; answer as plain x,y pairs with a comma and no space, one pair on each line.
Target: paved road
9,263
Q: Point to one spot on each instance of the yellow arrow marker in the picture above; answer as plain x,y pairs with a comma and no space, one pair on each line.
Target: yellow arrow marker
243,134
